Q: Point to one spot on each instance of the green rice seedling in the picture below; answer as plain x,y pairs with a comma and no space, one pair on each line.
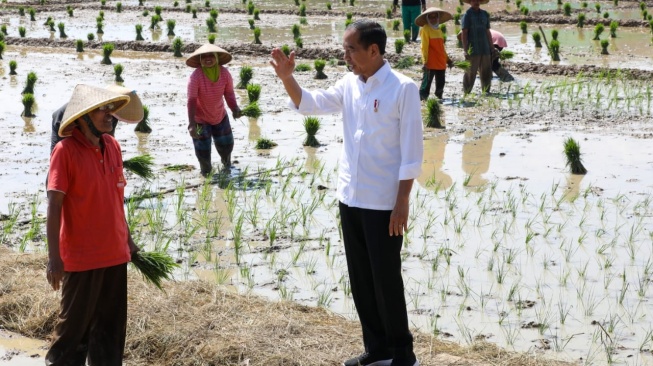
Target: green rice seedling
303,21
352,2
303,67
399,45
140,165
395,24
296,2
256,14
433,113
194,12
107,49
28,102
211,38
188,8
285,49
567,9
405,62
154,22
319,65
144,125
48,20
99,26
524,27
554,34
12,64
3,29
598,30
32,14
158,10
154,266
214,14
51,25
257,35
604,47
456,19
253,92
207,3
139,32
311,125
388,13
524,10
555,50
264,144
118,7
349,15
69,10
29,85
177,45
597,6
348,22
22,31
572,152
250,8
613,28
117,69
246,74
296,31
328,5
580,22
210,24
140,2
145,13
606,15
464,65
90,36
537,38
170,24
642,6
506,55
252,110
103,2
21,11
251,23
407,35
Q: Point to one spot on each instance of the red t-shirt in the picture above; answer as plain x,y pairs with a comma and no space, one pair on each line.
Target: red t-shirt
207,95
93,228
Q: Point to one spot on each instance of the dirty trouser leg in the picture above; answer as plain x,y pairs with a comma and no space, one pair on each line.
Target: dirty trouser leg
485,71
223,139
425,87
202,146
439,82
470,74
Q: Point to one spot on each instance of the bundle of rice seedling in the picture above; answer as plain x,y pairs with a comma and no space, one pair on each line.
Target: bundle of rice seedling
253,92
311,125
462,64
433,113
252,110
144,125
572,151
154,266
140,165
264,144
506,55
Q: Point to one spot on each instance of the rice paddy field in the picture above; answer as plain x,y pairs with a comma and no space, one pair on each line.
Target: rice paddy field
505,246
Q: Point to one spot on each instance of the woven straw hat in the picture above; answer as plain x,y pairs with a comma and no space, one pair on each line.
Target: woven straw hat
482,1
194,59
445,16
133,111
86,98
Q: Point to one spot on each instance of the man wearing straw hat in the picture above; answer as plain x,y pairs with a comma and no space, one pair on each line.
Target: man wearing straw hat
434,56
207,116
381,157
89,244
477,46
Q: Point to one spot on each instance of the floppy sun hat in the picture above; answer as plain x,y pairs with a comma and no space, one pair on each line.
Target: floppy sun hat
133,110
445,16
194,59
87,98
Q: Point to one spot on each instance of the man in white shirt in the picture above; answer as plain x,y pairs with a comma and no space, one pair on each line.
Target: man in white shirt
381,156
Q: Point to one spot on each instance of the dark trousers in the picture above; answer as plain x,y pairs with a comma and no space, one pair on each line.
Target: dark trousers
93,319
427,79
374,264
223,139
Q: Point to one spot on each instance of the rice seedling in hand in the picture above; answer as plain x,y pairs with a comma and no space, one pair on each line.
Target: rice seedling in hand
32,14
211,38
613,28
171,27
433,113
29,85
464,65
598,30
399,45
264,144
319,69
22,31
107,49
144,125
210,24
139,32
12,64
555,50
506,55
302,10
117,69
28,102
604,47
572,152
537,38
257,35
524,27
154,266
580,23
285,49
214,14
119,7
296,32
395,24
246,74
407,35
253,92
69,10
252,110
311,125
140,165
567,9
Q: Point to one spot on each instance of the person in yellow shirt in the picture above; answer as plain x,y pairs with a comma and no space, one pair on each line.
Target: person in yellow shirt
434,56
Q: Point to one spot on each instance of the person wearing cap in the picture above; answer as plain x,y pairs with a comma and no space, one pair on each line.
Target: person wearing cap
499,42
89,243
381,156
477,46
207,115
131,113
410,9
434,56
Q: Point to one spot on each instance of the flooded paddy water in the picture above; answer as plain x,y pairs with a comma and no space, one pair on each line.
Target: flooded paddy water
505,245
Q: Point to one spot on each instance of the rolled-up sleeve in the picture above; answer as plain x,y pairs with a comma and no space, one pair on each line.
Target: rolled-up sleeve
411,132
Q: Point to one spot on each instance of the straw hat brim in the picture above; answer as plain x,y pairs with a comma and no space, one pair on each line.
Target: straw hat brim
483,2
194,59
85,99
445,16
133,111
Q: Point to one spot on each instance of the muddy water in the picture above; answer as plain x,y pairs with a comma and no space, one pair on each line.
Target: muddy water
16,350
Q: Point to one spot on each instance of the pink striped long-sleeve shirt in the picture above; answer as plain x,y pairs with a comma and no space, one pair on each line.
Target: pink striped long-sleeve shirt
206,96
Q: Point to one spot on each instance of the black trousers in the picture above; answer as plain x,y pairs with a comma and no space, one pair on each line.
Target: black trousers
374,264
93,319
427,79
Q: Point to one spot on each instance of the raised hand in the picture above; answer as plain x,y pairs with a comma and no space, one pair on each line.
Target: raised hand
282,64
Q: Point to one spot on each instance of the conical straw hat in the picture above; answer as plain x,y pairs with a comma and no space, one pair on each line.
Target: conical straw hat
86,98
133,111
445,16
194,59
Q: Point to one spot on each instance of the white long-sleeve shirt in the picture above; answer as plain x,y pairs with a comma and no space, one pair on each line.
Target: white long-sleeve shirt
382,129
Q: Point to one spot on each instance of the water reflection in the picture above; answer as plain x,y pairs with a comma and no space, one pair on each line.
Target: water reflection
476,157
143,143
573,186
254,129
312,162
29,126
433,160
